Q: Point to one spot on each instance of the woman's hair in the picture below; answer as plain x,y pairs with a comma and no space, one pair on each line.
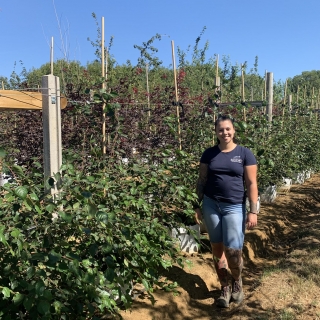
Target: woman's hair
223,118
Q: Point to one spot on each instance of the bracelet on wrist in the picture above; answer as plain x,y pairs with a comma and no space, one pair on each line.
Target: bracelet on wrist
253,212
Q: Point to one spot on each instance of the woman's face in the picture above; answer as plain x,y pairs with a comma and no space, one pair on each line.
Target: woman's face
225,131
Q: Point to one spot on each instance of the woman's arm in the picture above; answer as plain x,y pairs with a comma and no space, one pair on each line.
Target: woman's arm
250,177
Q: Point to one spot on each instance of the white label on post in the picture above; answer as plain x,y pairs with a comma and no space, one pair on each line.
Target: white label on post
53,99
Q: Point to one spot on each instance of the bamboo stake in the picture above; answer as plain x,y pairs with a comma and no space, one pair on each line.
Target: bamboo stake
176,92
298,95
103,87
148,97
51,56
243,94
285,92
312,107
242,84
2,85
265,85
217,66
304,93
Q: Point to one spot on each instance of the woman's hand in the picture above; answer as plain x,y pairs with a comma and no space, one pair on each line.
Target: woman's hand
198,215
252,220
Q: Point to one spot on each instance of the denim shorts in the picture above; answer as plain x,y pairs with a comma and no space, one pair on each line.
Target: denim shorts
225,222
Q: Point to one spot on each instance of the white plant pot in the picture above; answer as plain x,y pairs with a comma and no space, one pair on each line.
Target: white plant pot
269,194
188,242
307,174
285,186
298,178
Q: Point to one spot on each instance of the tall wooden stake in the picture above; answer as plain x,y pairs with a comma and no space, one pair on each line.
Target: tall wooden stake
148,96
2,85
285,92
265,85
176,92
51,56
103,87
270,95
242,84
217,66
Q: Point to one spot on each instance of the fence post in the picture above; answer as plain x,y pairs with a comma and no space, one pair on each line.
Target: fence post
51,117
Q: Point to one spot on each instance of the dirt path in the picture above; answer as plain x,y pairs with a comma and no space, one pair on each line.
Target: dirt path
275,257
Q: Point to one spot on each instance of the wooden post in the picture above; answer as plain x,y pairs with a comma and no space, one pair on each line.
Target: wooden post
51,115
312,106
251,93
270,95
176,93
298,96
2,85
104,149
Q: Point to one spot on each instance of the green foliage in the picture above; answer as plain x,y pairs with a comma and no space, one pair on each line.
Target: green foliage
83,252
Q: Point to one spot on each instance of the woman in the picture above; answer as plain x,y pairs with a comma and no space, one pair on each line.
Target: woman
224,170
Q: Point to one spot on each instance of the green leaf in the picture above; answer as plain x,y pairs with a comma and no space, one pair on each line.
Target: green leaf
18,170
34,197
92,209
260,152
6,292
28,303
43,307
243,125
30,272
2,153
40,287
66,216
50,207
145,284
47,295
15,233
21,192
58,306
18,298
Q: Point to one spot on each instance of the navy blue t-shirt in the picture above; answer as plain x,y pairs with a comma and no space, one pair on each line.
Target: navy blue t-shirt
225,180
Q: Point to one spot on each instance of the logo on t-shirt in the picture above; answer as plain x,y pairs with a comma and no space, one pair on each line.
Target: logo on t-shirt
236,159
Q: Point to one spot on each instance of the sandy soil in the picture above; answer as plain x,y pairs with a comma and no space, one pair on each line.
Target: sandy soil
281,230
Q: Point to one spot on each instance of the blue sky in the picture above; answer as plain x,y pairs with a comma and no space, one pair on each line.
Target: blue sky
283,34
